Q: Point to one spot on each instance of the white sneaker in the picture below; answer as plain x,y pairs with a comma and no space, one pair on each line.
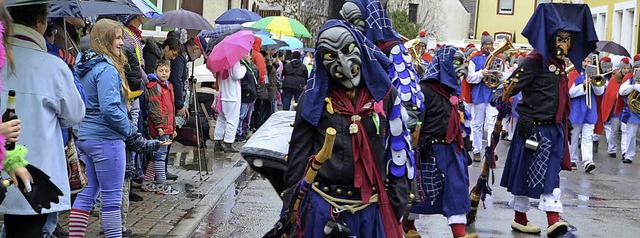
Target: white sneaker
148,186
165,189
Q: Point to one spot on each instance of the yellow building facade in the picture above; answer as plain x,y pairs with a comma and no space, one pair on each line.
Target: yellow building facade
617,21
506,18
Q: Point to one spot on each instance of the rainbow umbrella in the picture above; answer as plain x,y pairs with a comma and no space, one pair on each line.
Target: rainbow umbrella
280,25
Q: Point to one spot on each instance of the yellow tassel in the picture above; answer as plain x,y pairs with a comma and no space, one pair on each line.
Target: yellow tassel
329,105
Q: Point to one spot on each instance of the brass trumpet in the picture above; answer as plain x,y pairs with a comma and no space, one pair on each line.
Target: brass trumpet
493,62
597,80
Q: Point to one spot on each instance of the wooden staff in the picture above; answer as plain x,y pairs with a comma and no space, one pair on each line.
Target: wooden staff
481,189
323,155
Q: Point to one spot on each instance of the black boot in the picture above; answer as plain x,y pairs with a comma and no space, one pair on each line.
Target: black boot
60,232
133,197
217,146
228,148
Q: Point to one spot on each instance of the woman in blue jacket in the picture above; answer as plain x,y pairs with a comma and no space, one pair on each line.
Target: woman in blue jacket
103,130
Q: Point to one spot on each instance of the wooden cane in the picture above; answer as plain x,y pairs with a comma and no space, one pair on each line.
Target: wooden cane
476,192
323,155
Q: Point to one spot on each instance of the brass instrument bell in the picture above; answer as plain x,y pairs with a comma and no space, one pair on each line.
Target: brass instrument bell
494,62
633,99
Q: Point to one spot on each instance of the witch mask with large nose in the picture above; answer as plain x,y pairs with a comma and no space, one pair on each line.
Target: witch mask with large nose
340,56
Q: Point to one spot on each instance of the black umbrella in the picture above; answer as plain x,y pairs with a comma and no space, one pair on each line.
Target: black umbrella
612,47
182,19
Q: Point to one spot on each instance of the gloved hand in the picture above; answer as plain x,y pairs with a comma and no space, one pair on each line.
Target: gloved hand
496,101
43,190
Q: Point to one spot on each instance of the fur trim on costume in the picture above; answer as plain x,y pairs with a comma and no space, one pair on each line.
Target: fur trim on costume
15,158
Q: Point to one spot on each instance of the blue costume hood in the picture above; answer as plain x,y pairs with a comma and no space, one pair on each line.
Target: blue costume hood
379,27
373,72
551,17
441,69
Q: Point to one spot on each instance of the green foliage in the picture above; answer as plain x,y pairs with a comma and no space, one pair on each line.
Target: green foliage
403,26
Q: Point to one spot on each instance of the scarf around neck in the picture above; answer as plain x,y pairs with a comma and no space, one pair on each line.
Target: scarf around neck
28,37
366,173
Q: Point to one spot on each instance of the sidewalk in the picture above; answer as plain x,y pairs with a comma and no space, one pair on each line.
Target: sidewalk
179,215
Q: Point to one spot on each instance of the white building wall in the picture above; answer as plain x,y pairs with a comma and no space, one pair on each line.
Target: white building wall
457,21
600,20
624,18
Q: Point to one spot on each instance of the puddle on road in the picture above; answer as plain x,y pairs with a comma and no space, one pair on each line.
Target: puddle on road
210,163
221,213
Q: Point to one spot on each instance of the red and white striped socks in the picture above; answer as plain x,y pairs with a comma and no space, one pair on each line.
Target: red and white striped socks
150,174
78,223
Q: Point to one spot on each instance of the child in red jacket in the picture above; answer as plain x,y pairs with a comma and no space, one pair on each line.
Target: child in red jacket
162,127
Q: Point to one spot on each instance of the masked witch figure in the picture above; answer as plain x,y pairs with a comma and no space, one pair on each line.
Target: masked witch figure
370,18
443,177
362,190
539,149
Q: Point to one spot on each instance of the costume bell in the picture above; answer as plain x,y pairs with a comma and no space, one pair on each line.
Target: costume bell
533,172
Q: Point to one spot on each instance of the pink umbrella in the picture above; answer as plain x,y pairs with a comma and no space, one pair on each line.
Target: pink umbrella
231,49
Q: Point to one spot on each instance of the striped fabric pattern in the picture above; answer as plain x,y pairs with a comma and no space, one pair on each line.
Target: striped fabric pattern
78,223
150,174
112,223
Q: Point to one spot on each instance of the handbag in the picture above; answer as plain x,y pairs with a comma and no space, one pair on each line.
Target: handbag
217,104
186,136
78,179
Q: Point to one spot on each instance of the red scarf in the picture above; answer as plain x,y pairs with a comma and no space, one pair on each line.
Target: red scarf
612,100
385,46
366,172
135,31
453,127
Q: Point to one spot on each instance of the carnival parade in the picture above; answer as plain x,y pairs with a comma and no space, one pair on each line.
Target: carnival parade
338,118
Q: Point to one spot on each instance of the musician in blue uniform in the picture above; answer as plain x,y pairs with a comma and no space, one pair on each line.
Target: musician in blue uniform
483,114
583,115
631,118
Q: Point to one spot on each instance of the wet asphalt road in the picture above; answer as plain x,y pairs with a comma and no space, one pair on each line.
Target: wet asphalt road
604,203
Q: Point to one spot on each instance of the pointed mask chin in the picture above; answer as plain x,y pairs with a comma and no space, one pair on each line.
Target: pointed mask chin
340,56
350,84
